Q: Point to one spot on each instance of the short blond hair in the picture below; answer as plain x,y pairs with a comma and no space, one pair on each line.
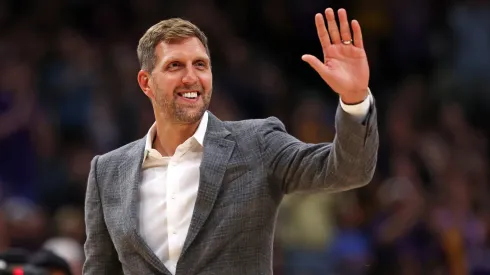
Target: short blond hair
169,30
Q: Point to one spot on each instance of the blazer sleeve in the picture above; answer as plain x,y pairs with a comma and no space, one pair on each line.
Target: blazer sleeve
346,163
100,254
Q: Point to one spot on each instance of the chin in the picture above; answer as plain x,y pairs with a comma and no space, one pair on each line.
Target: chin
190,116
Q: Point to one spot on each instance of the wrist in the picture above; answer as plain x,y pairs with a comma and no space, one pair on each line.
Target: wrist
354,98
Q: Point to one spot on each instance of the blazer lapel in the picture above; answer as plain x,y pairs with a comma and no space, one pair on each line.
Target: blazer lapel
130,178
217,151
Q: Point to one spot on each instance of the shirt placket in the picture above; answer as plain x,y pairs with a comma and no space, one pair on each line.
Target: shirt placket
172,209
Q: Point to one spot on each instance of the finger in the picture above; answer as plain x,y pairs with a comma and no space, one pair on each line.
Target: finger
333,30
356,29
344,25
322,32
315,63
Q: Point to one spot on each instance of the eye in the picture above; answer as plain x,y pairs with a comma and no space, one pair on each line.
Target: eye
173,65
201,64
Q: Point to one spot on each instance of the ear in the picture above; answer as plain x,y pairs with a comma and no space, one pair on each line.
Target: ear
144,80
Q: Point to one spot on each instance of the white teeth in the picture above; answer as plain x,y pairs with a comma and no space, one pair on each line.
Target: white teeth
190,95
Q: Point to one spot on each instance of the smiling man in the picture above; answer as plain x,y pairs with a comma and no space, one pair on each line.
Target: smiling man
176,76
198,195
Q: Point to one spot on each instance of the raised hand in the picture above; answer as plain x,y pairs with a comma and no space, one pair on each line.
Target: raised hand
345,67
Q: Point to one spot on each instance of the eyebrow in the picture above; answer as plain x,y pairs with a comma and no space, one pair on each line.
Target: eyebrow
176,58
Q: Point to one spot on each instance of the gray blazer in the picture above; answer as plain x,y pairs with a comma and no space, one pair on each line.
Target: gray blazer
246,169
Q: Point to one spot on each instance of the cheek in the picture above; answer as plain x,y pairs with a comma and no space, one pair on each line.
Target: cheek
165,86
206,81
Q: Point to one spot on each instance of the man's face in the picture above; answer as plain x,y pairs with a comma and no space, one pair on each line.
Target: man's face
181,81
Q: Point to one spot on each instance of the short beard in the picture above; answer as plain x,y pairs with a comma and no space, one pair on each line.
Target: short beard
179,114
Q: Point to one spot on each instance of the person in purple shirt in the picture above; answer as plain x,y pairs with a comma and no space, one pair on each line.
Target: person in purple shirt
17,151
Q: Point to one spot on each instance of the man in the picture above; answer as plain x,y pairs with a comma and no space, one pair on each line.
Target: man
200,196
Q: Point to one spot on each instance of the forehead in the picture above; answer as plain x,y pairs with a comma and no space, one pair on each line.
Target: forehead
186,48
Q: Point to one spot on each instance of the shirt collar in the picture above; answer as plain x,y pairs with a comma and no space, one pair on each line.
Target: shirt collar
198,135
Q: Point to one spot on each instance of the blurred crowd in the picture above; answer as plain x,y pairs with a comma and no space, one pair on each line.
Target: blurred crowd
68,91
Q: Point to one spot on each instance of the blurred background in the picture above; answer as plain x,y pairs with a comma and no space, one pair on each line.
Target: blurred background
68,91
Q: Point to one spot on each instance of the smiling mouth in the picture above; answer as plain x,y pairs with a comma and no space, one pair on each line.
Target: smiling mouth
189,95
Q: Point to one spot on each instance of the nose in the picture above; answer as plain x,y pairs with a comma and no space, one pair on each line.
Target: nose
190,76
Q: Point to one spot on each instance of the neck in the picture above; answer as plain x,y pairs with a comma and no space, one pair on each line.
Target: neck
170,134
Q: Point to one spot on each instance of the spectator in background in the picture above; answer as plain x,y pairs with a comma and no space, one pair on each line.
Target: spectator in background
350,252
69,250
17,111
50,262
40,262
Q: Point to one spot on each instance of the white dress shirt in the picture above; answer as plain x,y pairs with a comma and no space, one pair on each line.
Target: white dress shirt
168,193
169,190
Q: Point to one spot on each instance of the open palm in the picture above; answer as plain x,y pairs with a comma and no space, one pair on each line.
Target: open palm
345,67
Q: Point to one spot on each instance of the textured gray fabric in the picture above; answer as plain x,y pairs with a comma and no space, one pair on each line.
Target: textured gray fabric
246,169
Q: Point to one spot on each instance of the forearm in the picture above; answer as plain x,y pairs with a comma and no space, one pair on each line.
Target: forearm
353,160
348,162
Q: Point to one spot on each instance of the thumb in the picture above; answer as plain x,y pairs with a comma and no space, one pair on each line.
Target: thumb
314,62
